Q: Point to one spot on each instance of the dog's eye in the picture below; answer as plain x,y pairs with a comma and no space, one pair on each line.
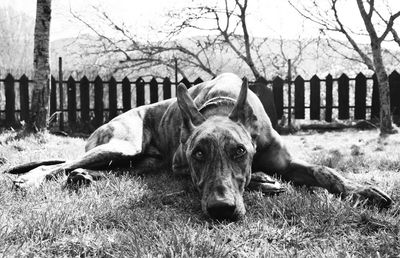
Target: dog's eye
240,151
198,154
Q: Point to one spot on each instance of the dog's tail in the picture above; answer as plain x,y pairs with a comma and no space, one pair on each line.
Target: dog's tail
21,169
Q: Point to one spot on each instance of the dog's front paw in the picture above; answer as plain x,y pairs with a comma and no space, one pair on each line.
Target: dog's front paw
32,179
264,183
79,177
373,196
22,182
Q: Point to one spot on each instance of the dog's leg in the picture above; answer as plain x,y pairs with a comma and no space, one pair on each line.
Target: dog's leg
264,183
301,172
100,155
144,164
276,159
123,138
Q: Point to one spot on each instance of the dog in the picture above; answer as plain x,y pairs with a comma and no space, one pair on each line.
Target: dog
218,133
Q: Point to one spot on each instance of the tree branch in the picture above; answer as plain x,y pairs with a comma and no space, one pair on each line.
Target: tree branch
352,42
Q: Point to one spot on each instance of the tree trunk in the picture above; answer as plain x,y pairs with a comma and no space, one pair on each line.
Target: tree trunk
41,67
386,125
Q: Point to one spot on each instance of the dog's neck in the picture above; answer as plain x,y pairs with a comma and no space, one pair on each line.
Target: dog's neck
220,105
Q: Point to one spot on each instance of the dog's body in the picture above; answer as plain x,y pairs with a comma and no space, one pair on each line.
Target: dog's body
217,132
156,128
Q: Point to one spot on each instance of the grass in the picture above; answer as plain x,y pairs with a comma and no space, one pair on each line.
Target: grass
160,215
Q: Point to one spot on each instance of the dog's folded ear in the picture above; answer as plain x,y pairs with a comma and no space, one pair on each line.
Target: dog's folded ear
191,117
238,113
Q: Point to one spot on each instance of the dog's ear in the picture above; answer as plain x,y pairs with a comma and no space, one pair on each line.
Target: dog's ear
238,113
191,117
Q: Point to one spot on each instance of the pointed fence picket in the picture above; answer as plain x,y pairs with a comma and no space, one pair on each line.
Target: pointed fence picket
299,108
328,98
315,100
360,97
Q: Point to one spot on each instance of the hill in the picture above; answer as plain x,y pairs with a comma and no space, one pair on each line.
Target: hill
84,55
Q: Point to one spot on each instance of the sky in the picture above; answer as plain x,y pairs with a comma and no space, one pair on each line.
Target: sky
272,18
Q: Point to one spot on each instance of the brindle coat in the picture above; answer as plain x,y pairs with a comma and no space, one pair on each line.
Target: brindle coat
218,132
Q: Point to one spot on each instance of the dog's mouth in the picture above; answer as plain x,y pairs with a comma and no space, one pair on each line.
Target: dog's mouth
224,213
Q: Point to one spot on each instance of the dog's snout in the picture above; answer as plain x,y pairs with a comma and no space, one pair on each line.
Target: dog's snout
220,190
222,211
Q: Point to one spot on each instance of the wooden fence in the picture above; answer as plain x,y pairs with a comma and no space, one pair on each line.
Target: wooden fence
342,95
91,103
84,102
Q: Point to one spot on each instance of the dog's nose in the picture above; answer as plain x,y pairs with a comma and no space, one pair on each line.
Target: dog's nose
222,211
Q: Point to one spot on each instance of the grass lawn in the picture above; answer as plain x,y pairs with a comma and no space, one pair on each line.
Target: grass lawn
160,215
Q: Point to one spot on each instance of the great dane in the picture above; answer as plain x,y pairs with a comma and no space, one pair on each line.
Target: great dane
218,133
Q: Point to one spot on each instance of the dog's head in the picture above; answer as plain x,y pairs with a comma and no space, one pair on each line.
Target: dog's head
219,152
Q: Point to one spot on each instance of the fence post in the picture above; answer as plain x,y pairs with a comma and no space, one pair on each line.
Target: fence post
328,98
394,84
153,90
61,94
289,83
24,98
53,95
299,109
85,99
176,72
9,84
344,97
112,98
166,88
277,88
71,103
360,96
98,101
139,92
126,94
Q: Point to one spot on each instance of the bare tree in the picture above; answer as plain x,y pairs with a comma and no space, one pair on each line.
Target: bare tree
228,45
131,54
229,24
329,20
40,94
277,57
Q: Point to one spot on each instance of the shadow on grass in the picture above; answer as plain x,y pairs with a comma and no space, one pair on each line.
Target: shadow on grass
164,197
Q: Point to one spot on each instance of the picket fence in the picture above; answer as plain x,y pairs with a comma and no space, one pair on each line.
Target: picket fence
86,104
